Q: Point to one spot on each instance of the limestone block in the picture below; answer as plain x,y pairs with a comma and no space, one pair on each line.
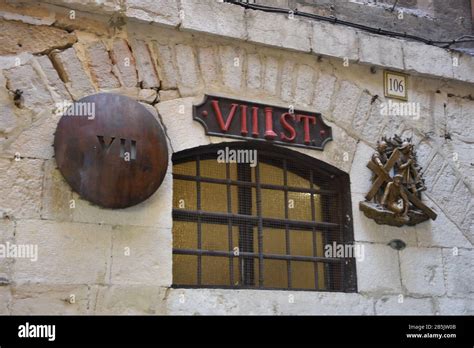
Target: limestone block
360,174
20,187
7,229
345,103
270,81
72,73
155,211
49,299
379,271
279,30
171,94
455,306
36,96
147,74
141,255
36,141
410,306
163,12
124,63
130,300
232,62
166,59
5,300
220,18
362,112
101,66
334,40
254,71
55,85
380,50
304,85
68,253
440,233
465,67
458,271
431,171
323,92
286,81
422,271
17,37
459,117
208,65
189,77
57,201
182,130
147,95
426,59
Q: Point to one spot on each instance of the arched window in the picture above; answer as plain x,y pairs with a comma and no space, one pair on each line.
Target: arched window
262,225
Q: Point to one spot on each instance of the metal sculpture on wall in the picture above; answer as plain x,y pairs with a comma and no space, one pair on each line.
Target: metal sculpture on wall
111,150
395,195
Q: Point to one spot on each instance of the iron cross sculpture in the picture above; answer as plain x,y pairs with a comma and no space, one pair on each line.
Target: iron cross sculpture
395,196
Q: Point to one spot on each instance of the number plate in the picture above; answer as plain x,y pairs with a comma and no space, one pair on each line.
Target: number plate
395,85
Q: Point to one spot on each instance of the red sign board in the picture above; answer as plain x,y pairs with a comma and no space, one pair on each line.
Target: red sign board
232,118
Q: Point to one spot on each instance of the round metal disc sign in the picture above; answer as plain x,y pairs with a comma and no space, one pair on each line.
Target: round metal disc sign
111,150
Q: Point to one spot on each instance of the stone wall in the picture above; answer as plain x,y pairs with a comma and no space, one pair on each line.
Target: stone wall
167,55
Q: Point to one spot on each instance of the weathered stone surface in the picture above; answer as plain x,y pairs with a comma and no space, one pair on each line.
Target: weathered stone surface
426,59
264,302
124,63
46,299
36,141
178,121
208,65
465,68
36,96
30,14
254,71
155,211
422,271
379,271
101,66
458,271
304,85
68,253
20,187
323,92
141,256
57,201
55,85
459,117
232,60
286,81
222,19
372,130
410,306
7,229
5,300
166,59
8,119
334,40
171,94
440,233
19,37
360,174
380,50
431,171
147,95
345,101
163,12
455,306
279,30
72,73
130,300
188,69
365,105
270,82
147,75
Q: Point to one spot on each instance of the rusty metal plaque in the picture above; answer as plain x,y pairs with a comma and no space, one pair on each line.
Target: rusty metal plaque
234,118
111,150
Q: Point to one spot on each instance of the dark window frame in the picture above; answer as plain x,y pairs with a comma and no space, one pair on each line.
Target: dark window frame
345,268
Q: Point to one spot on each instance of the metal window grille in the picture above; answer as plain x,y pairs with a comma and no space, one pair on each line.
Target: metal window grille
262,227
